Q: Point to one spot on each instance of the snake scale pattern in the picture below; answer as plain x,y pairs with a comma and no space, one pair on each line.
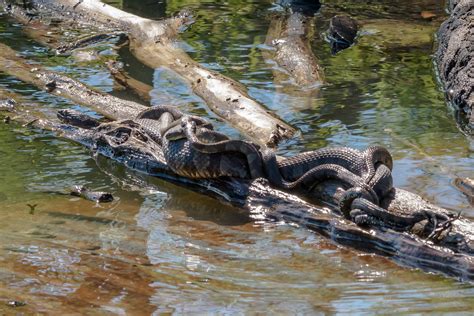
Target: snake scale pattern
191,148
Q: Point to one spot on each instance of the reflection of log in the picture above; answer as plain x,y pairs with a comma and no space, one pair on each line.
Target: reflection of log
288,35
452,255
142,90
455,58
152,43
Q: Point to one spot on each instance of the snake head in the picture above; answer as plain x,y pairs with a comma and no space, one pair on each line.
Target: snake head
188,124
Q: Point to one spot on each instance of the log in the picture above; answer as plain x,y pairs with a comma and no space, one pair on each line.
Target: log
152,43
141,89
455,61
452,255
289,36
111,107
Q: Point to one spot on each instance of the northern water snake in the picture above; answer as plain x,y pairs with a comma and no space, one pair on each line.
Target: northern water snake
191,148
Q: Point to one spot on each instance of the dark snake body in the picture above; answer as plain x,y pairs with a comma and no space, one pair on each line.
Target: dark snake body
191,148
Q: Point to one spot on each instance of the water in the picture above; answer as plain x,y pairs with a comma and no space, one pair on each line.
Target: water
162,249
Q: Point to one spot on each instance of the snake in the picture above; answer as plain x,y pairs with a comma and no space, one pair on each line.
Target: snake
191,148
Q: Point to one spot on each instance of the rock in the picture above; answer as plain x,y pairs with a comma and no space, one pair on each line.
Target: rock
7,105
84,56
342,32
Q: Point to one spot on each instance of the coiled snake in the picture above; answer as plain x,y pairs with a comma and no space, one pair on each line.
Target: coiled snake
193,149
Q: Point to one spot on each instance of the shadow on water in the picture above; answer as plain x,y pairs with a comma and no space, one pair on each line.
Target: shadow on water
161,248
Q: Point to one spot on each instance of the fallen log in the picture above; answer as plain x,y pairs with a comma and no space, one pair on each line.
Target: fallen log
451,254
455,61
152,43
109,106
342,32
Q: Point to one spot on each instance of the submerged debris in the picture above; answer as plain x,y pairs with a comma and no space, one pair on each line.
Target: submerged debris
7,104
466,186
84,192
32,208
15,303
342,32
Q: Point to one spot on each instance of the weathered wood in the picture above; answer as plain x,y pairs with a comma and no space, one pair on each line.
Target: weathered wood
109,106
452,255
289,36
152,43
455,59
141,89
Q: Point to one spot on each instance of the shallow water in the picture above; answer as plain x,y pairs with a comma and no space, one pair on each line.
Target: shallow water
161,249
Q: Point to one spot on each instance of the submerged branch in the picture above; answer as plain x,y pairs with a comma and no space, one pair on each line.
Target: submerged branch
142,90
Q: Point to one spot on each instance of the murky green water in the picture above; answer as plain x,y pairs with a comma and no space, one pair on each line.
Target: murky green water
161,248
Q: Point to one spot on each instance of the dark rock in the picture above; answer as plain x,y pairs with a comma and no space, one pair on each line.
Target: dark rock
342,32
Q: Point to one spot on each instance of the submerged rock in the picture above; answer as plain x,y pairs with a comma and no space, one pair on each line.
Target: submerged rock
85,56
7,104
84,192
16,303
342,32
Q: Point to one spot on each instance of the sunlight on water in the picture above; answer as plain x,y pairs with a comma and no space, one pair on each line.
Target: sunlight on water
159,248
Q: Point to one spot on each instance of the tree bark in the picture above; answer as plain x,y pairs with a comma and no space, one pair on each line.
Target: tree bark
105,104
455,59
288,35
152,43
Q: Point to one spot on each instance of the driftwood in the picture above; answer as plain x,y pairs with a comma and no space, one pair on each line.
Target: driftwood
110,106
288,35
342,32
455,60
152,42
451,255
